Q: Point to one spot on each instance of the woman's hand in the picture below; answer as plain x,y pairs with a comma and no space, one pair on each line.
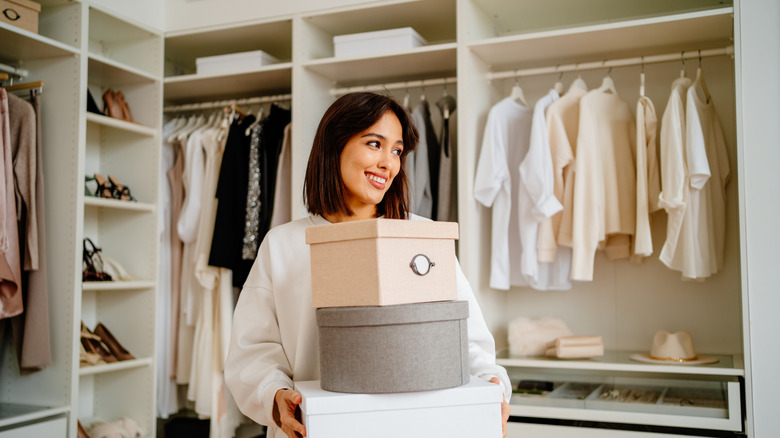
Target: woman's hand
505,408
287,401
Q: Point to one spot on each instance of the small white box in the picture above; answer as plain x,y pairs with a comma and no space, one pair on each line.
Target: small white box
389,40
233,62
471,410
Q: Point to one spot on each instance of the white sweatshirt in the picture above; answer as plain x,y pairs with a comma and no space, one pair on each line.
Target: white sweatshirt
275,340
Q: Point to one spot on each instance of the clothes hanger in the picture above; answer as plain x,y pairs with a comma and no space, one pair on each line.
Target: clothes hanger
682,62
608,85
578,82
517,92
558,87
700,84
642,79
406,97
256,122
37,85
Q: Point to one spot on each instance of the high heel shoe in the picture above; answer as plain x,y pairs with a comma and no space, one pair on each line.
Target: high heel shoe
93,345
116,348
120,191
82,433
92,263
111,105
103,188
126,115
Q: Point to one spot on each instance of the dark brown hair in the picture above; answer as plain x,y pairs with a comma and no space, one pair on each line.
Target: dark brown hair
324,192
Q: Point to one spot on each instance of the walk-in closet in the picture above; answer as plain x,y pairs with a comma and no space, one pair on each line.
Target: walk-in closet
137,219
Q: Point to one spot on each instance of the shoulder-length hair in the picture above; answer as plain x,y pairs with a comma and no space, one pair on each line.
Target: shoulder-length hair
324,192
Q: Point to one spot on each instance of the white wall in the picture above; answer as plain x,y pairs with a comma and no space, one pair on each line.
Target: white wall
150,13
182,15
759,42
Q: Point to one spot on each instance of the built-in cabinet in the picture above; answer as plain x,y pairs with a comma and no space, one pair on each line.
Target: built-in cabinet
81,46
473,48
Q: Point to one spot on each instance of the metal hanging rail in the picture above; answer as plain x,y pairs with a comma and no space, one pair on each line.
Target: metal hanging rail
394,85
640,60
225,103
20,72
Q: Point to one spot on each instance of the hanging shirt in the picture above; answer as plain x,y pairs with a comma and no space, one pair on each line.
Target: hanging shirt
418,170
537,202
563,120
447,209
10,268
674,173
605,181
647,182
504,145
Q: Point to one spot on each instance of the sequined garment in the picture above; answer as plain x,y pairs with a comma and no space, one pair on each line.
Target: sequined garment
253,204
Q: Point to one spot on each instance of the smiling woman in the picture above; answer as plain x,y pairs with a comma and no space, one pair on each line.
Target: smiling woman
355,171
355,168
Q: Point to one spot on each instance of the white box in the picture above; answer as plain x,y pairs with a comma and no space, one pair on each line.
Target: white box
382,262
233,62
471,410
365,43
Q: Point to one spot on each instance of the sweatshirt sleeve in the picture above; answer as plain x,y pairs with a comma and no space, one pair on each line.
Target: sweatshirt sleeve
696,153
482,349
672,147
257,366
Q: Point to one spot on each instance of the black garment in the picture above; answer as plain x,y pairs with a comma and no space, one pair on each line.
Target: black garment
434,155
231,192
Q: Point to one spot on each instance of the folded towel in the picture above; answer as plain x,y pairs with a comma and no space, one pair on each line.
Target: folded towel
575,347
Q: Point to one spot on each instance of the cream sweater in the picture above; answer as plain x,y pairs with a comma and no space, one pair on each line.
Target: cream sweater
275,342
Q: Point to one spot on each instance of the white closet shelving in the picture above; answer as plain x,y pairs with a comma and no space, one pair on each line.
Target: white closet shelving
81,45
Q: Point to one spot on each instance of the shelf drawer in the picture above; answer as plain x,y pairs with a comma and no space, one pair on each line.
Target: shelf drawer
50,428
712,405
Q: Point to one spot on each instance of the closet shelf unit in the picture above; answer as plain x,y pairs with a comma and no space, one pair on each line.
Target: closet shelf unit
125,56
39,403
184,85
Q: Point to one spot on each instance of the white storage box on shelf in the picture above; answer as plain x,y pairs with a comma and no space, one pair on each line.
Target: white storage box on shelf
365,43
380,262
390,349
233,62
471,410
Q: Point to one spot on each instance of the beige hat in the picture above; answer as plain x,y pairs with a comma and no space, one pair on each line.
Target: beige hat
674,349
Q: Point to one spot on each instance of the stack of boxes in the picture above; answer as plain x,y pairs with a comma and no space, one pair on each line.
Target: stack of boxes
385,293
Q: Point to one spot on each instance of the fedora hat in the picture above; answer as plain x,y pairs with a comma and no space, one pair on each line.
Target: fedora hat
673,349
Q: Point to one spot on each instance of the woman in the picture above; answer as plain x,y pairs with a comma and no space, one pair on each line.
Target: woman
355,172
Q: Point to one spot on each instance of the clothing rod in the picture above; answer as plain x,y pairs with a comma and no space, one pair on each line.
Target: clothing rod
693,54
224,103
20,72
394,85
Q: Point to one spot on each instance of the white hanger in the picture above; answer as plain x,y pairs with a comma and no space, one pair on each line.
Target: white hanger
517,93
682,61
558,87
700,84
642,79
406,97
608,85
255,123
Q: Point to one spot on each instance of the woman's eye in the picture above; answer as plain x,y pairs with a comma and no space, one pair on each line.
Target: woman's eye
398,152
374,144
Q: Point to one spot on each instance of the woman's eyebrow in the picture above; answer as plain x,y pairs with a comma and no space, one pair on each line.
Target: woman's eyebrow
380,136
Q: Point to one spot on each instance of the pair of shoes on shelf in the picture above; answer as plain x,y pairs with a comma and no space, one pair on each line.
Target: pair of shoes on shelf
114,105
111,188
100,347
92,263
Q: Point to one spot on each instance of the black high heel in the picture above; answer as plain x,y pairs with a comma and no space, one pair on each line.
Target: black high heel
103,189
119,190
93,263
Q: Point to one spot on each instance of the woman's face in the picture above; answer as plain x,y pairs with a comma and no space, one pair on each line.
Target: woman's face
369,162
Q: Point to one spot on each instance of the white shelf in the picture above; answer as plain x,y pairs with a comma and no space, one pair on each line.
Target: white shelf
109,72
19,44
93,201
270,79
115,366
116,285
619,361
121,125
434,61
648,36
13,414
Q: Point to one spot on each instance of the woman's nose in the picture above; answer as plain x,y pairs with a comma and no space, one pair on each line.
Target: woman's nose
387,161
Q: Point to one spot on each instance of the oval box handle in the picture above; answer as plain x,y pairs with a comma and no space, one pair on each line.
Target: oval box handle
421,264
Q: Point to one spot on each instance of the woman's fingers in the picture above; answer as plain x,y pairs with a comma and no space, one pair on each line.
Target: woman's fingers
288,400
505,409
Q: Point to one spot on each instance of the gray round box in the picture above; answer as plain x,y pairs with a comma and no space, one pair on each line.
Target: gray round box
390,349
